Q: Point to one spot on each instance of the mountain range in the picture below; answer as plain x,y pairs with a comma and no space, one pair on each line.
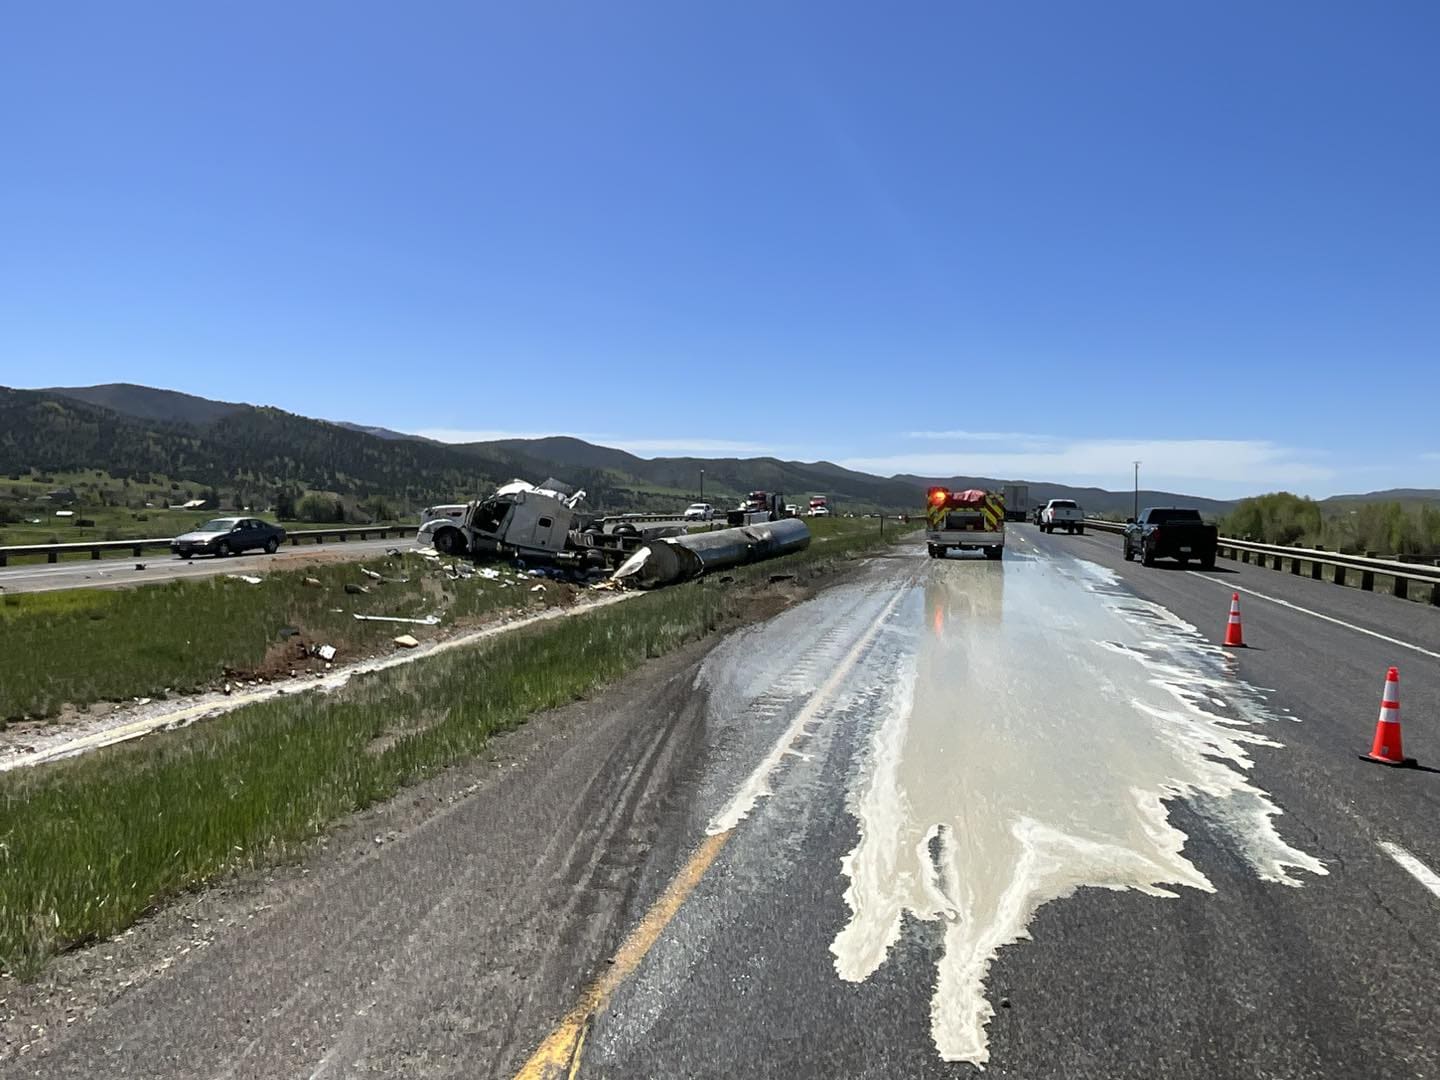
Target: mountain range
253,450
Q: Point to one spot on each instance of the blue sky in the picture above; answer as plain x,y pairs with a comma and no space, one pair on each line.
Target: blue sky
1032,240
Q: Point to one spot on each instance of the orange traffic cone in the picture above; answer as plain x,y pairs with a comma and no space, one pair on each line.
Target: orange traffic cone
1234,637
1386,748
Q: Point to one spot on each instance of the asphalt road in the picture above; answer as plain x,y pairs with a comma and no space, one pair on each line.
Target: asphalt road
162,566
1026,815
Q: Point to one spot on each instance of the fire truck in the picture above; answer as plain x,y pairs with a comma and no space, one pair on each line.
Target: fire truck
971,520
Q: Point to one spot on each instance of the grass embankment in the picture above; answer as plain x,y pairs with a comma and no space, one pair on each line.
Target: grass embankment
79,646
87,846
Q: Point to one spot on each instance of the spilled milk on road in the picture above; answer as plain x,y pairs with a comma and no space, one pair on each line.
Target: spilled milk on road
1034,732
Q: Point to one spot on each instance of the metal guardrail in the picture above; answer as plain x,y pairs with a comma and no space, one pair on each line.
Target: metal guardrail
96,548
1277,556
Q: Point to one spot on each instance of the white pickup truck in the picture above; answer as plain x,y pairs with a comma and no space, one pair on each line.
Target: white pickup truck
1062,514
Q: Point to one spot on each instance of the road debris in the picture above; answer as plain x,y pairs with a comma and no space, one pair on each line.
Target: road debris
139,566
392,551
311,582
325,652
538,588
371,574
428,620
406,641
356,590
249,579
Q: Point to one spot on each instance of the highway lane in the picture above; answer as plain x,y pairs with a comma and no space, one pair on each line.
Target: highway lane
162,566
1024,814
937,882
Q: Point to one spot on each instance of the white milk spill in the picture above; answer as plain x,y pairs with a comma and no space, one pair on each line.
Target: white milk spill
1027,751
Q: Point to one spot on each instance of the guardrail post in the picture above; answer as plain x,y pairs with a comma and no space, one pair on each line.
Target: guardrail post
1316,569
94,553
319,538
1295,565
1367,580
362,535
4,560
52,556
1402,587
343,536
136,550
1339,577
294,541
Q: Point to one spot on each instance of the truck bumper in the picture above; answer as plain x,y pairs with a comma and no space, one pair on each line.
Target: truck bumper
966,541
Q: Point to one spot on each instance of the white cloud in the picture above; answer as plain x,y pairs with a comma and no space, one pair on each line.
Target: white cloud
975,436
1231,464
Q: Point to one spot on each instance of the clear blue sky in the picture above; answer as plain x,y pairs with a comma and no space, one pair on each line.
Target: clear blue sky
1030,240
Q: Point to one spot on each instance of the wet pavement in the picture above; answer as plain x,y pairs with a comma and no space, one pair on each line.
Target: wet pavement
972,744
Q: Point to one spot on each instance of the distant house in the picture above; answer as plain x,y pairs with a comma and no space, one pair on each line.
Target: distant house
61,495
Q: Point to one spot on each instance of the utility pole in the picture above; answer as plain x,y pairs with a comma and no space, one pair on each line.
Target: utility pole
1137,491
702,485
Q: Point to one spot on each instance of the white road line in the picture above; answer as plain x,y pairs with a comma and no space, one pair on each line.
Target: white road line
1417,869
1318,615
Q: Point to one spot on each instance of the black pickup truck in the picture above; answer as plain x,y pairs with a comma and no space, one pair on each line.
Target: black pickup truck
1168,532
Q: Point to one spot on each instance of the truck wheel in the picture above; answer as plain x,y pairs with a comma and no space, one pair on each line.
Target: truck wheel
1208,562
994,553
449,542
1080,529
1184,561
1147,558
1129,555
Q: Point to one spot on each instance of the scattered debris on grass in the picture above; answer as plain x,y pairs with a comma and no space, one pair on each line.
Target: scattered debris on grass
428,620
406,641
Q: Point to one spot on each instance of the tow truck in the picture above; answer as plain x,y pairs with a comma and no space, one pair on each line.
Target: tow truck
970,520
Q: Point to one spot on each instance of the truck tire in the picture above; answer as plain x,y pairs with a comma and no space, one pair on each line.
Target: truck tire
1129,555
994,553
1070,530
1183,560
450,542
936,551
1080,529
1147,558
1208,562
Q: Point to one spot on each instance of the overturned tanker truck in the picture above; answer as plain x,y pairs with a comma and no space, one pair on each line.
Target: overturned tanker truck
671,560
541,525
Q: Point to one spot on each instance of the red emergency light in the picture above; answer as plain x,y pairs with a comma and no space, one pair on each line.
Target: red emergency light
938,495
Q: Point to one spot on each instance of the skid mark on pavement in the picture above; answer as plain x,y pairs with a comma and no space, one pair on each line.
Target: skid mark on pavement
789,672
1029,749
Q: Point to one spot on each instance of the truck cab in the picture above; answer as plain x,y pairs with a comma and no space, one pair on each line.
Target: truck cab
971,520
518,519
1062,514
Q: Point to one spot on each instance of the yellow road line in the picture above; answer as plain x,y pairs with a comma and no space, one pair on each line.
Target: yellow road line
559,1055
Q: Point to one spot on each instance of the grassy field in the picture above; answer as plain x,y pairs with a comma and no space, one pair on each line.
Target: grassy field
87,846
113,644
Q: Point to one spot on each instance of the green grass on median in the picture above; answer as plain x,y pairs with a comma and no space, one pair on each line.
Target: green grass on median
80,646
87,846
